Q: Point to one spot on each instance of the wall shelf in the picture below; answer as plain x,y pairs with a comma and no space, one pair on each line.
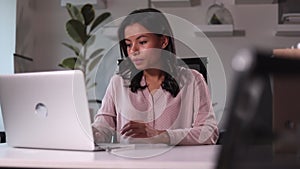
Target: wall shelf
218,31
288,30
175,3
100,4
111,32
255,1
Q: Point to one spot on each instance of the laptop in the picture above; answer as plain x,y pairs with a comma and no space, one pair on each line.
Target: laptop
47,110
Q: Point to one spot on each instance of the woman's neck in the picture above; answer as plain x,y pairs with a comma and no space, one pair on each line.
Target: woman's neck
154,78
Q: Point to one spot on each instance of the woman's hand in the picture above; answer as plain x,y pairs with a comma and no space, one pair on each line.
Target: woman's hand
97,135
139,130
103,136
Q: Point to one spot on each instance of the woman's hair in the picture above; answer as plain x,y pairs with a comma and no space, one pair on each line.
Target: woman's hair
156,22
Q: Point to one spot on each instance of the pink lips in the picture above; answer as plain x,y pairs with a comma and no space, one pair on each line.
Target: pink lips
137,61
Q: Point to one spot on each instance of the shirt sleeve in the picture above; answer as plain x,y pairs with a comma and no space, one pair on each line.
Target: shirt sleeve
105,119
204,128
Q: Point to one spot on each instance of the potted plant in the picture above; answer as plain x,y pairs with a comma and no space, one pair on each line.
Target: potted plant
80,27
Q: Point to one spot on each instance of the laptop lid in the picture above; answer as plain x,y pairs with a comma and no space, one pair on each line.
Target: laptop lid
46,110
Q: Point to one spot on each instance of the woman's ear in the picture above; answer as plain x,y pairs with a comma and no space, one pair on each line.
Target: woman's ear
165,42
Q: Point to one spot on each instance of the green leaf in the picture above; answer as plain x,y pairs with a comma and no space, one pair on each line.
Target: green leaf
87,80
76,31
80,56
69,9
99,20
74,13
96,53
74,48
91,40
94,63
88,14
69,63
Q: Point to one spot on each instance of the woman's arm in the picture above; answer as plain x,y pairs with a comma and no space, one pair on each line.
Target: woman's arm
204,128
201,133
104,126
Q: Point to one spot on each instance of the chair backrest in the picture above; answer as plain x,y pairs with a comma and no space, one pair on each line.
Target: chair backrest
248,143
197,63
2,137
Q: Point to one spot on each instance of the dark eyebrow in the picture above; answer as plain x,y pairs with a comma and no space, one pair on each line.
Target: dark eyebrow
139,37
142,36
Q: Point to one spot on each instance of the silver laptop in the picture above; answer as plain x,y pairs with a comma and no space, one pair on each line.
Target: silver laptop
46,110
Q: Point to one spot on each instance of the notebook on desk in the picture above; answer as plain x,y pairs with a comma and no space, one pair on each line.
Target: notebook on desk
47,110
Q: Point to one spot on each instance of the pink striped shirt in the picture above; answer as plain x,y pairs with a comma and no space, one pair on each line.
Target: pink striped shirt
188,118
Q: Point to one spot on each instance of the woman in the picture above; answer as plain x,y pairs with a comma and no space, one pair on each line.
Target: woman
152,99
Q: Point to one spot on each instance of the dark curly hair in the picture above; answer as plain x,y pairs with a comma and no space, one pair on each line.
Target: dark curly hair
156,22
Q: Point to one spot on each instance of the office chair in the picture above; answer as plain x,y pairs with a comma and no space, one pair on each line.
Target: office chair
249,143
2,137
197,63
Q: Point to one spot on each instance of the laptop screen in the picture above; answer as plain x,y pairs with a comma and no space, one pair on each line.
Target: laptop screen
46,110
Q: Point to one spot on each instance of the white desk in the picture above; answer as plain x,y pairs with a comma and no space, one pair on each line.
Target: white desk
183,157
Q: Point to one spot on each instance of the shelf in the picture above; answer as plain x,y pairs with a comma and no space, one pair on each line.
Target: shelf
288,30
255,1
215,30
175,3
111,32
99,4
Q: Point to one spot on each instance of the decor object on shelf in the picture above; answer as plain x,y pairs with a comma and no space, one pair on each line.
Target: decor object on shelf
175,3
255,1
217,14
288,12
290,18
80,28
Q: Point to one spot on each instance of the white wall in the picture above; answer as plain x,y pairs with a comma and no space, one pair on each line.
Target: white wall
47,18
7,40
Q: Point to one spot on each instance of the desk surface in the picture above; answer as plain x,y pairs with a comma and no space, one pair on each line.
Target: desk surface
183,157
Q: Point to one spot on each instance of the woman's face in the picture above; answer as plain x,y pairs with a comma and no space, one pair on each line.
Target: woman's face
144,47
